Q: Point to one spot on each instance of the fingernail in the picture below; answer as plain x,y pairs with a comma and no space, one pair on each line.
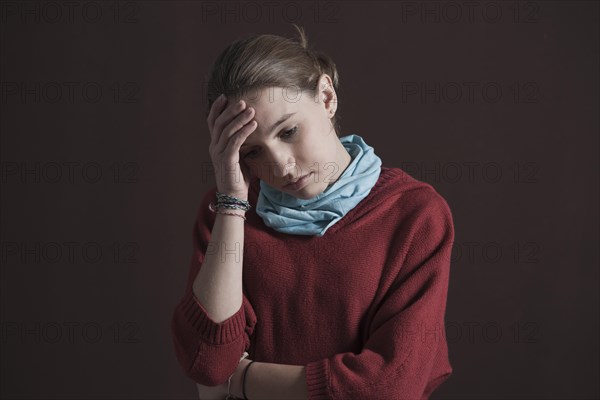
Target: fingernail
221,97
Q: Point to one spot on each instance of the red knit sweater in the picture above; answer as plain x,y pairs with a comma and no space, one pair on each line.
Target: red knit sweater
362,308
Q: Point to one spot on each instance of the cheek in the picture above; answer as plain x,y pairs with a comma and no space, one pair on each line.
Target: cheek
318,148
310,153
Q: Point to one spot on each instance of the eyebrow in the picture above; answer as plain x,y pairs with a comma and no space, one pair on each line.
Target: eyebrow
281,120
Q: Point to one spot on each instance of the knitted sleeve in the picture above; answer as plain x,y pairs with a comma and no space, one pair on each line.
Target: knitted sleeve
208,351
406,355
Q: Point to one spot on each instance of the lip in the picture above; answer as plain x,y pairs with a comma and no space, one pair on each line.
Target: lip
299,184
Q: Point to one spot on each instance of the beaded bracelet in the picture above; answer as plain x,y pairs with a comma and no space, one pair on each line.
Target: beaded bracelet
212,208
230,202
224,200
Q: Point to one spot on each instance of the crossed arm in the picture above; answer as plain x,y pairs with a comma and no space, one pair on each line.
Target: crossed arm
263,381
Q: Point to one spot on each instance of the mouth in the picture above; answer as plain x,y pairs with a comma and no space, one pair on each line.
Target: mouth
298,183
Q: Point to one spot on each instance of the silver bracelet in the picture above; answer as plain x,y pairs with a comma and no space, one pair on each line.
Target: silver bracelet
229,395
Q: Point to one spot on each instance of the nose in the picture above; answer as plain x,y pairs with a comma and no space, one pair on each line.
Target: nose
282,165
287,171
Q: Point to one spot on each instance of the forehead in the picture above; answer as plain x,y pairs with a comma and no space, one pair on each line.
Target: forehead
275,98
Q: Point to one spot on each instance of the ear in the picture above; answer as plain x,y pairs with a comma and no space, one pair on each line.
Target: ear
327,94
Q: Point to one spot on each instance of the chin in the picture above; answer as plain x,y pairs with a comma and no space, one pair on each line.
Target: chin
305,195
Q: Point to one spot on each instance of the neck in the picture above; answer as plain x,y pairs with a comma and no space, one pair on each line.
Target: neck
343,160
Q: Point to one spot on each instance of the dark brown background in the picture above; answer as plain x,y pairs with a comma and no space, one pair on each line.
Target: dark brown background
519,169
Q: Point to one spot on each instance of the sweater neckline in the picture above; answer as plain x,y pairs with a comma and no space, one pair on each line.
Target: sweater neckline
384,177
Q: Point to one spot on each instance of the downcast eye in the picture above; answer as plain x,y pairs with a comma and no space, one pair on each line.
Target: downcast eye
285,135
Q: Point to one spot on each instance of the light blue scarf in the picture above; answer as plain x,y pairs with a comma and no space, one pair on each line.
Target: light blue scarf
288,214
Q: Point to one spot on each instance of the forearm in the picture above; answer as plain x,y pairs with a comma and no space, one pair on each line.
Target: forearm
270,381
218,285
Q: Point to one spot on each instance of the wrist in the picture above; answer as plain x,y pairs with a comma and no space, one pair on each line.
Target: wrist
237,380
233,210
242,196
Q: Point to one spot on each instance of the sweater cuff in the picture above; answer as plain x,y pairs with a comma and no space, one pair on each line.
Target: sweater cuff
317,379
208,330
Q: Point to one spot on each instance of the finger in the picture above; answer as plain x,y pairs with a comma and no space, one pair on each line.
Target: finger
236,141
217,107
234,126
224,119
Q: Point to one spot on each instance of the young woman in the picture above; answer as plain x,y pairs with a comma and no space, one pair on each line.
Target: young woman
317,273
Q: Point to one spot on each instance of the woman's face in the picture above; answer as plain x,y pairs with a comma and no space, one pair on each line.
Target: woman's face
304,142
